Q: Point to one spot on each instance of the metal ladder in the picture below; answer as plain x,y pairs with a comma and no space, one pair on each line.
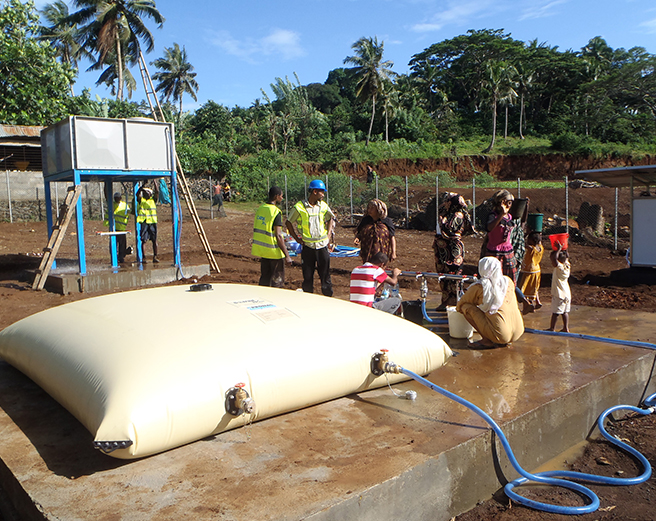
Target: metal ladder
182,180
66,211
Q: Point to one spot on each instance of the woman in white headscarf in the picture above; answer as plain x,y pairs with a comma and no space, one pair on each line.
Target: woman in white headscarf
491,307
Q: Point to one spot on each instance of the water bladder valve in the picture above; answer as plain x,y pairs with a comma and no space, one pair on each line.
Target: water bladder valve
238,401
380,364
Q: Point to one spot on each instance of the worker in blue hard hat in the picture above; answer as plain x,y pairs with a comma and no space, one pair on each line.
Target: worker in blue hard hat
315,222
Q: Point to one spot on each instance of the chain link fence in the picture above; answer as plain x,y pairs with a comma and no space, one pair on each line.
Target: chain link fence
591,214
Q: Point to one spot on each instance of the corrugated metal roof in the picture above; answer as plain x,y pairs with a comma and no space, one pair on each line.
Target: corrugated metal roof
32,144
9,131
621,176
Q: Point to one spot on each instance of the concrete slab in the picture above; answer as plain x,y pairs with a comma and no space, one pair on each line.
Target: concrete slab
65,278
371,456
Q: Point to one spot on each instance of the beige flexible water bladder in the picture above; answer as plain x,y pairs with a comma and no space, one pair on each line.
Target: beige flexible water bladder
151,368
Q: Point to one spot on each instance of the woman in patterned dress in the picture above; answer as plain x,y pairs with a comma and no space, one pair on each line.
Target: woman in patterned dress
454,222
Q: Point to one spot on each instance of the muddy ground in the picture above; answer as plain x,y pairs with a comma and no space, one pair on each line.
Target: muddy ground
598,279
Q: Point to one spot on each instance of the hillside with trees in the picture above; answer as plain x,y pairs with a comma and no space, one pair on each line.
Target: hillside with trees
482,93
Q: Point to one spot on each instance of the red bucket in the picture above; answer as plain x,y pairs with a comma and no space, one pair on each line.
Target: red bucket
559,238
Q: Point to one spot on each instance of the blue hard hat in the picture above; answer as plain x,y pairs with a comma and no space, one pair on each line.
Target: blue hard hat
317,184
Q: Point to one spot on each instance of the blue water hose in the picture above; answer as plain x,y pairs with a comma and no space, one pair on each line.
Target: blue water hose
430,320
630,343
548,477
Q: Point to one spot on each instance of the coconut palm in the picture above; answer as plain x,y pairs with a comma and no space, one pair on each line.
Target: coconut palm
177,76
61,34
111,26
371,71
501,85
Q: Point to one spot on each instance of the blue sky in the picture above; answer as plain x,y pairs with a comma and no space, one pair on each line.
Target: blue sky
240,47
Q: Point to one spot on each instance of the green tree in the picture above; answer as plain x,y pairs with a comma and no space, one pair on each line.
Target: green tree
177,78
34,85
112,26
371,71
62,34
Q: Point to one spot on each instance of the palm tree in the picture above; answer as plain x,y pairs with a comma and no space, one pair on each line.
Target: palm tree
371,71
391,103
524,84
61,34
111,26
500,83
177,76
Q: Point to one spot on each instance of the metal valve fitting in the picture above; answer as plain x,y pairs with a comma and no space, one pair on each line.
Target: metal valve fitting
378,361
238,401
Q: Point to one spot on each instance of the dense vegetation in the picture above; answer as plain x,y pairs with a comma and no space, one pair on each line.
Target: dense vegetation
482,92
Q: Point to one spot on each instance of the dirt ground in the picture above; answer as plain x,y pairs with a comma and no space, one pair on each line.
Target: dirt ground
592,281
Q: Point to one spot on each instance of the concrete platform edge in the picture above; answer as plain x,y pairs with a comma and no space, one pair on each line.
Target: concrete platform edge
453,482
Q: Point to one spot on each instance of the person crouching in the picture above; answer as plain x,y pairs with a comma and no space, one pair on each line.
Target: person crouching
366,279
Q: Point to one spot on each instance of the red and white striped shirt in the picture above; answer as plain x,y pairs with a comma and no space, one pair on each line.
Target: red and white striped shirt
364,281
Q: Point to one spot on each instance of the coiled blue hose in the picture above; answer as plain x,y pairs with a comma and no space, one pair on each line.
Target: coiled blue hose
548,477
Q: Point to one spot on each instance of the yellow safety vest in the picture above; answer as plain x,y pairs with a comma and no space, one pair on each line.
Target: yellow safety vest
264,238
305,222
147,212
121,216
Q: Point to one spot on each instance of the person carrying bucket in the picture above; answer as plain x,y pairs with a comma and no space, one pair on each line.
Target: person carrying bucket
315,221
561,294
530,275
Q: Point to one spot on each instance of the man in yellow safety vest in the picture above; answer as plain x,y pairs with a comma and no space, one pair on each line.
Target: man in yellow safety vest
121,217
316,222
268,242
147,218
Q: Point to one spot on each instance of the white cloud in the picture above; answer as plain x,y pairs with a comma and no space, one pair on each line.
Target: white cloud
279,42
283,42
540,9
649,25
458,13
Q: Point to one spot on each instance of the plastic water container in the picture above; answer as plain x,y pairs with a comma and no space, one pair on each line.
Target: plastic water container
559,238
534,221
458,325
293,246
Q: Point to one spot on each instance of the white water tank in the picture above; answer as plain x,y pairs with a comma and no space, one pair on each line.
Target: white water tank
84,143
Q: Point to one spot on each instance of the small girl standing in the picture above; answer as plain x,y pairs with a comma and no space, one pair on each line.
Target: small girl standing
561,295
530,275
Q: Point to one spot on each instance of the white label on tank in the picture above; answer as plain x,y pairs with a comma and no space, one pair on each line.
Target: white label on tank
264,310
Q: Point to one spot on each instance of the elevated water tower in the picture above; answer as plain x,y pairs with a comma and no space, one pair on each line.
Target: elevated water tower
84,149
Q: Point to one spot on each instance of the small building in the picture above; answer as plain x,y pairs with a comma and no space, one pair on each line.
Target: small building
640,180
20,148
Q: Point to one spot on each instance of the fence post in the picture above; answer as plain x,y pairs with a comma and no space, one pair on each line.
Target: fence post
519,189
406,179
407,202
566,206
38,202
351,195
437,205
305,186
100,200
327,196
474,204
211,198
11,216
286,199
616,214
56,200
